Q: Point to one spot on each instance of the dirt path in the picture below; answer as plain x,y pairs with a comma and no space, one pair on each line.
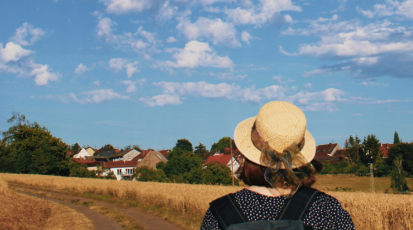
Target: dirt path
148,221
99,221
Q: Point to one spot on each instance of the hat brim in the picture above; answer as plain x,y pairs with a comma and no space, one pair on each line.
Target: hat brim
242,138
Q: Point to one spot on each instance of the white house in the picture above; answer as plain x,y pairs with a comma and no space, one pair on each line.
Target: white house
82,154
122,169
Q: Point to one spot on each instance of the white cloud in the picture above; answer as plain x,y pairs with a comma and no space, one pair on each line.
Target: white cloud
126,6
318,101
97,83
266,11
222,90
27,30
390,8
215,30
15,59
280,79
141,41
308,85
161,100
228,76
97,96
81,69
246,37
197,54
42,74
372,50
166,12
12,52
171,40
119,64
131,85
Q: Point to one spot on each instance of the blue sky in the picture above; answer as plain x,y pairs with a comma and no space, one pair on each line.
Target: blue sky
149,72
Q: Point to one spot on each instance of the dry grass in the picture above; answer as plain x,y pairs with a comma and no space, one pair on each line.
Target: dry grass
369,211
23,212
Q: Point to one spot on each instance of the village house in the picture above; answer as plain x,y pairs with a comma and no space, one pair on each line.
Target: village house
122,169
150,159
384,149
125,155
327,152
82,154
225,158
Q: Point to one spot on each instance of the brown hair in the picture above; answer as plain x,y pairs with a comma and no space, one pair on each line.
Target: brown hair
253,174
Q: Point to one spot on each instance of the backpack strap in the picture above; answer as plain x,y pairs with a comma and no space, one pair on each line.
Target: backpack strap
298,206
227,210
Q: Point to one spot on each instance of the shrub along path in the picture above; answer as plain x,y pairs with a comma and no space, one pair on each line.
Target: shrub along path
148,222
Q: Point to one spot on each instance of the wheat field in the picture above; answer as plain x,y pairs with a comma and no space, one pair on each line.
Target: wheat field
24,212
368,210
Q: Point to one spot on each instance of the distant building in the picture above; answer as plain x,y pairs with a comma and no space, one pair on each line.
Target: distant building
326,153
82,154
125,155
150,159
384,149
122,169
224,159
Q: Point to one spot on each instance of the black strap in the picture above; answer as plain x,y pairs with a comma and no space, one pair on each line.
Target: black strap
227,210
298,206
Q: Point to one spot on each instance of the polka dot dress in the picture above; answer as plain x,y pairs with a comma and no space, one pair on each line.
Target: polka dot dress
325,213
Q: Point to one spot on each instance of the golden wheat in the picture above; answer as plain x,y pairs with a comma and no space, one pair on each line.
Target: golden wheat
369,211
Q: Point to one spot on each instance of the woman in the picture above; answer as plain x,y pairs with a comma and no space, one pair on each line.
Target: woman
279,153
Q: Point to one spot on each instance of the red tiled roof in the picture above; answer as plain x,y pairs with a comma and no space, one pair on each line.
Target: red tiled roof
88,162
164,152
384,148
221,159
116,150
120,164
340,153
327,149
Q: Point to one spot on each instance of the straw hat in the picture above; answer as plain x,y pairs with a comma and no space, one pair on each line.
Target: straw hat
279,123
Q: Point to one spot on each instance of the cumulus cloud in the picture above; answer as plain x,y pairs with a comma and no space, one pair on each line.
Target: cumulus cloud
81,69
215,30
161,100
97,96
246,37
131,85
171,40
366,51
196,54
166,12
228,76
266,11
27,34
316,101
126,6
281,80
390,8
222,90
119,64
141,41
17,60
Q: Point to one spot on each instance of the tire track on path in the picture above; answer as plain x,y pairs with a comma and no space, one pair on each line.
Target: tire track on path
148,221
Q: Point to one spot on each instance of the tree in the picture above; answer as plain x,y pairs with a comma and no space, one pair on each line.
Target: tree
371,149
216,173
398,176
222,144
200,150
354,151
396,139
185,145
406,151
181,162
32,149
149,174
76,148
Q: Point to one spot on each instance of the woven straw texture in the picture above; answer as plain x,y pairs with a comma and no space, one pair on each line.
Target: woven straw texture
279,123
